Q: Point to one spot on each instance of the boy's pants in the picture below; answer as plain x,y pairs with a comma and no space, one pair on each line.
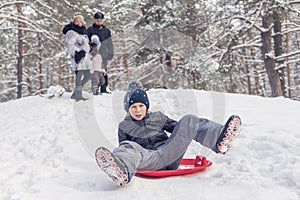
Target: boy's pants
97,80
188,128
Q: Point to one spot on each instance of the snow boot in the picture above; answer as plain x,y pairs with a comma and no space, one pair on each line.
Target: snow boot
95,93
105,90
229,133
77,94
95,90
114,167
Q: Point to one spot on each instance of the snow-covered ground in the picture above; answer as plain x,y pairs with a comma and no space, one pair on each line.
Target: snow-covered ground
47,148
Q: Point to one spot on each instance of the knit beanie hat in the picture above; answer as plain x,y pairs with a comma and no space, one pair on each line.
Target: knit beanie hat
95,40
135,94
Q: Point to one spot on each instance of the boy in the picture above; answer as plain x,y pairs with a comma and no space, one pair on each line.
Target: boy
144,145
98,75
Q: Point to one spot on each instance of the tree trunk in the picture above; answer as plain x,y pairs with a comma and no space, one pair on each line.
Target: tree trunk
256,75
247,71
278,46
231,89
248,79
287,48
255,69
59,72
268,58
28,80
59,63
20,53
26,67
41,77
125,59
247,65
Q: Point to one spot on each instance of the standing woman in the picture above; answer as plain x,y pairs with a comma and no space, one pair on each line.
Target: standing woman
78,47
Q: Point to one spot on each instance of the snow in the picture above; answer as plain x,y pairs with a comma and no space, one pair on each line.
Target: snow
53,91
47,148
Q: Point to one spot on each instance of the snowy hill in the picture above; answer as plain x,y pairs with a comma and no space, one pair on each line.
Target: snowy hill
47,148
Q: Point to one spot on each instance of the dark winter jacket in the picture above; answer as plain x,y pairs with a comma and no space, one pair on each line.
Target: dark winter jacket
106,50
149,132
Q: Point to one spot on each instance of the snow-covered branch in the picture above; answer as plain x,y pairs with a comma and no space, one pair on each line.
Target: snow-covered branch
284,56
246,45
30,23
37,10
8,90
12,4
252,23
19,28
293,2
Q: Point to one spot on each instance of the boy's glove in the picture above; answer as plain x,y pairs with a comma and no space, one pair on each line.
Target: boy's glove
79,55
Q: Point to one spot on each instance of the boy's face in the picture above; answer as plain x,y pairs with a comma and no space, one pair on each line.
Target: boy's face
138,111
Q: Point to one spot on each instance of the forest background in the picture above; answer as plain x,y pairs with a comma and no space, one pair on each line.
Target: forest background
248,47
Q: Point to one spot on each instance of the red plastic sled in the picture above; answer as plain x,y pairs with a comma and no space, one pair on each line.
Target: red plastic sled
187,166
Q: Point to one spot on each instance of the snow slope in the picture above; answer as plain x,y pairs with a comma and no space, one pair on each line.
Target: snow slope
47,148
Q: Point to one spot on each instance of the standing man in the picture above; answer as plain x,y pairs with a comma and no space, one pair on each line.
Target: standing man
106,50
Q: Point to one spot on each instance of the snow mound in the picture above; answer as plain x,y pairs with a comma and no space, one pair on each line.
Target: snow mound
47,148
